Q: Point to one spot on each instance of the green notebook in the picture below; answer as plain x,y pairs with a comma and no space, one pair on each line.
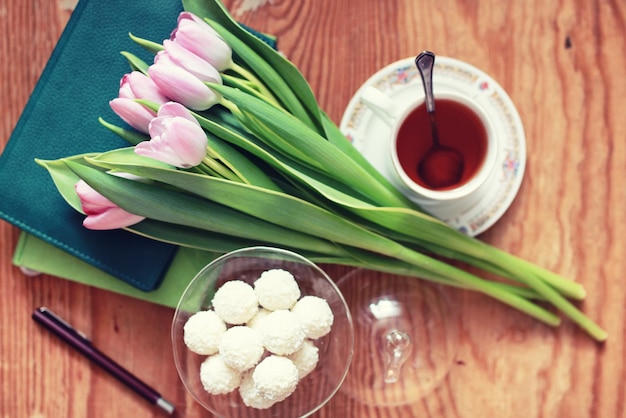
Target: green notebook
36,254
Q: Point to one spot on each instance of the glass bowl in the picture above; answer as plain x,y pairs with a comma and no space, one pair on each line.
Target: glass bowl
335,348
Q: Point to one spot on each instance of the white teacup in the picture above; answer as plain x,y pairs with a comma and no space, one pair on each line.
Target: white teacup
405,116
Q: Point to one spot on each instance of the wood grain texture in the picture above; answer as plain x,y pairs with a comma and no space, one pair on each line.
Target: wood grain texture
561,61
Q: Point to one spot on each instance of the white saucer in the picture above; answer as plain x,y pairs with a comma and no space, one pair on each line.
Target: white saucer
402,82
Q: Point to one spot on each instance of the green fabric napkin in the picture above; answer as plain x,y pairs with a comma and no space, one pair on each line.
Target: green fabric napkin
61,119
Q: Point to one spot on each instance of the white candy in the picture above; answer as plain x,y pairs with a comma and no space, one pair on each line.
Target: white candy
216,377
281,332
314,315
275,378
250,393
241,347
278,329
235,302
276,289
202,332
255,322
305,358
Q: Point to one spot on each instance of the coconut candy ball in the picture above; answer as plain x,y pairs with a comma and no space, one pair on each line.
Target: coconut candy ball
250,393
275,377
241,347
255,322
202,332
281,332
314,315
276,289
306,358
217,377
235,302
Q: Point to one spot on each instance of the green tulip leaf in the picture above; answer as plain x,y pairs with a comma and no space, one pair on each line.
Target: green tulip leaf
156,203
65,179
136,63
285,133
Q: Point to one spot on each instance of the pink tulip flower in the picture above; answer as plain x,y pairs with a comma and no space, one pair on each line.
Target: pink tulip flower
182,86
101,212
176,54
197,36
136,85
176,138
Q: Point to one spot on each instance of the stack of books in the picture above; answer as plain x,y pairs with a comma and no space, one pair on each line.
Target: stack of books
60,120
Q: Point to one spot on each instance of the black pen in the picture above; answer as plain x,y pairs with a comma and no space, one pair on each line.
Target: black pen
80,342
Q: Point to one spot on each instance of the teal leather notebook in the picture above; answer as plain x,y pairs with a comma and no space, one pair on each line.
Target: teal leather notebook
61,119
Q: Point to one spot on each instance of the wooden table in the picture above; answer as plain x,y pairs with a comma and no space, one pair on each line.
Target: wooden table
562,63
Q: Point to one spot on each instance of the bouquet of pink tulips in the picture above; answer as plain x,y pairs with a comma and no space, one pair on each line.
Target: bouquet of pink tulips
229,148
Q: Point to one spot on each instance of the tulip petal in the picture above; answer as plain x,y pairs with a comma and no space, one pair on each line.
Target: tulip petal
111,219
142,87
133,113
181,86
191,62
101,212
176,138
176,109
159,150
136,85
190,16
198,37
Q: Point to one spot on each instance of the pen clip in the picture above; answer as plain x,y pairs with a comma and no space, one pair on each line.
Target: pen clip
60,321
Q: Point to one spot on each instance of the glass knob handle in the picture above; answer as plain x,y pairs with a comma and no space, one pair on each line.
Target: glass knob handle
397,347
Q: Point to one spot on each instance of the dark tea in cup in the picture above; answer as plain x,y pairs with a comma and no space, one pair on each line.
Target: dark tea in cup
459,127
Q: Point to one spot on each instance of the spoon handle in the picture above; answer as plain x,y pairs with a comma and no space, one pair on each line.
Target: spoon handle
425,62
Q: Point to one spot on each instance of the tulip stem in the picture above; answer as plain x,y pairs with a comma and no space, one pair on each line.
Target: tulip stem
234,109
247,75
250,88
222,171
